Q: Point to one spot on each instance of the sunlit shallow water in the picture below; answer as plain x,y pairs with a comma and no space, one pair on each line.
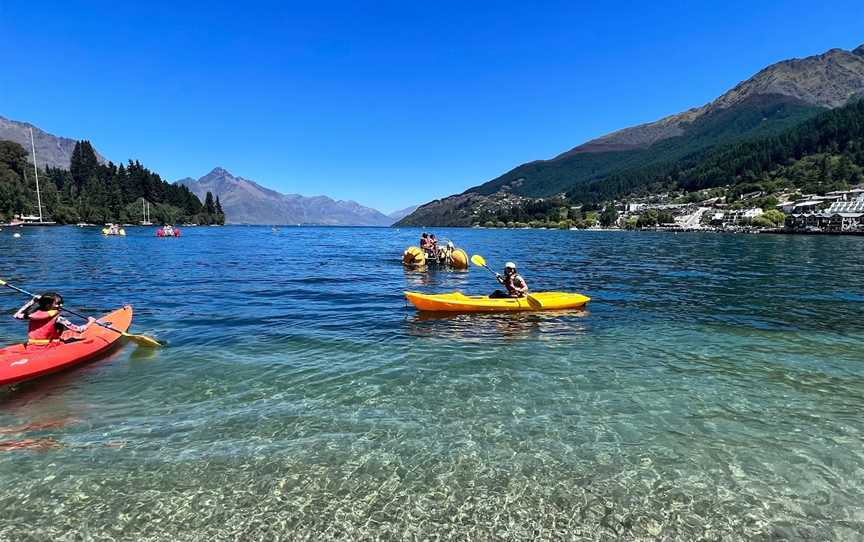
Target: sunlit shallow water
712,390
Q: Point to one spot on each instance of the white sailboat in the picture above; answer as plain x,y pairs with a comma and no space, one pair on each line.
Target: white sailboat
145,211
35,220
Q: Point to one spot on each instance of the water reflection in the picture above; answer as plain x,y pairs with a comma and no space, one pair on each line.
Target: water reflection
711,391
469,327
432,277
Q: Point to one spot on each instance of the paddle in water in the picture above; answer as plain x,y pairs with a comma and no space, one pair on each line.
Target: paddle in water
479,261
142,340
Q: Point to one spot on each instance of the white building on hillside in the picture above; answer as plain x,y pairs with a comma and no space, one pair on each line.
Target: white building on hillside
742,216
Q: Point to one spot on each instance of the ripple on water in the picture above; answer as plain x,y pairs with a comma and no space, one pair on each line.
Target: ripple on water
712,390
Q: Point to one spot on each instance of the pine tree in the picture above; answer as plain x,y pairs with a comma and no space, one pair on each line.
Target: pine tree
209,206
84,163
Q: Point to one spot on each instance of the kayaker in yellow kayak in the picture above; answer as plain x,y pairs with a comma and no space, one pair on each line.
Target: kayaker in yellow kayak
45,325
513,281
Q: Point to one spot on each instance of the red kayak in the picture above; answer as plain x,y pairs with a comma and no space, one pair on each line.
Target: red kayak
18,363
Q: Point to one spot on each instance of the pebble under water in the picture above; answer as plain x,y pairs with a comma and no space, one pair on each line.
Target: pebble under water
712,390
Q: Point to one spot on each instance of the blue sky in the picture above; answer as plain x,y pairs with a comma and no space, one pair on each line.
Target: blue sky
386,103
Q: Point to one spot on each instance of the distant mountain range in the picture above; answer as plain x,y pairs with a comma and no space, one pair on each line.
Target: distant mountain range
396,216
244,201
247,202
51,150
777,98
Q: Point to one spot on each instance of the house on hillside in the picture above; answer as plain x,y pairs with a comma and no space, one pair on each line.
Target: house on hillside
741,216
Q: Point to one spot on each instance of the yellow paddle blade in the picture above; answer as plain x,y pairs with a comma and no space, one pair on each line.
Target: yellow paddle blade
478,260
534,302
143,340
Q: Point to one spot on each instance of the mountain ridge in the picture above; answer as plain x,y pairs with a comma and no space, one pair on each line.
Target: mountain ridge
777,97
51,150
248,202
774,79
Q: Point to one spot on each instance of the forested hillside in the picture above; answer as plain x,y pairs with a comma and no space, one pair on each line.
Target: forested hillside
657,156
819,155
95,193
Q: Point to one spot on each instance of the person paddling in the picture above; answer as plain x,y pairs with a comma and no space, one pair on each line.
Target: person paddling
45,325
513,281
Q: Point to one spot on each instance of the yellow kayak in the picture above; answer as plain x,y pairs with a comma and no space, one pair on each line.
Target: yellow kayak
459,302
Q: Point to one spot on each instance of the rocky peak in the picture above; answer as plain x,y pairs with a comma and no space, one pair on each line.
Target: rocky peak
247,202
829,79
218,173
51,150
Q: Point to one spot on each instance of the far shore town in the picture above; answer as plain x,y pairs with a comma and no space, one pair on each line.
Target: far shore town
837,212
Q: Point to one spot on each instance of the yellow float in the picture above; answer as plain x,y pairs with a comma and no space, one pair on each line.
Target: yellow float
413,257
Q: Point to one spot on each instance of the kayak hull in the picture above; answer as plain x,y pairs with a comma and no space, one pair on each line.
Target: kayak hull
20,362
459,302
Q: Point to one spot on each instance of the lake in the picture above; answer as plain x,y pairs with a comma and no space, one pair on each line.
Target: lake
712,389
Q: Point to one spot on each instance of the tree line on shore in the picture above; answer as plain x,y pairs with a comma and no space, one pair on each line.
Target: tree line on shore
816,156
96,193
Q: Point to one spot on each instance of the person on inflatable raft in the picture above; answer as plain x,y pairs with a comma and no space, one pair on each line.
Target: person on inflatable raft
513,281
425,244
445,253
168,231
45,325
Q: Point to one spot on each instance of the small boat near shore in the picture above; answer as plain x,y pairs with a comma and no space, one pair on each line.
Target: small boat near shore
113,230
167,231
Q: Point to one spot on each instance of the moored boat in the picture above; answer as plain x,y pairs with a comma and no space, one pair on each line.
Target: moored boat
168,231
113,230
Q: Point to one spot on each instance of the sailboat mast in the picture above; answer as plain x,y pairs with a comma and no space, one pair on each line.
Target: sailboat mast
36,172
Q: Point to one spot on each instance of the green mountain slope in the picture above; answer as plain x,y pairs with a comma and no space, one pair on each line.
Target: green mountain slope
818,155
837,132
779,97
759,115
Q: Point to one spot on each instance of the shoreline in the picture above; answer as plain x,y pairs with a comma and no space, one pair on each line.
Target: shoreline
773,231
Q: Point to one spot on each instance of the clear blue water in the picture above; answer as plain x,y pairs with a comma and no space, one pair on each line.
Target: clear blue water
713,390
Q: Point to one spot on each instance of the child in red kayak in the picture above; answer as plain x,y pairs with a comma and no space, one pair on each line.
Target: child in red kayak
45,325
